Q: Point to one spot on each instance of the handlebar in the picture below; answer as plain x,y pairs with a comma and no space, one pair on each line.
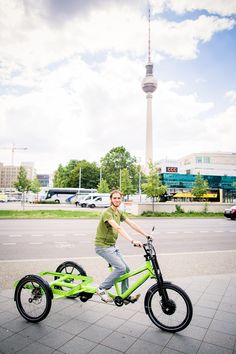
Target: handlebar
148,245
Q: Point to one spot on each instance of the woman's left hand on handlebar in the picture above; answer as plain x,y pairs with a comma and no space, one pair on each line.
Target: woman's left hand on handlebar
137,243
149,237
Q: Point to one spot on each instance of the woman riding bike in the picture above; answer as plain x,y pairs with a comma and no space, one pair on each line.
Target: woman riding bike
105,245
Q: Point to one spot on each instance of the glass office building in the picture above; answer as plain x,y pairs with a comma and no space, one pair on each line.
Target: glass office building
177,182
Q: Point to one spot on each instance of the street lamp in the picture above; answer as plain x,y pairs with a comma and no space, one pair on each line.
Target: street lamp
80,170
139,159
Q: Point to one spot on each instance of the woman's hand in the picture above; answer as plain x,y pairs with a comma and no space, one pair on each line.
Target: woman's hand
137,243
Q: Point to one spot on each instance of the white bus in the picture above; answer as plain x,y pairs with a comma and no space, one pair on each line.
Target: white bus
66,195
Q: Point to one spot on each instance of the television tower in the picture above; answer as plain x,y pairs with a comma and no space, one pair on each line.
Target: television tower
149,85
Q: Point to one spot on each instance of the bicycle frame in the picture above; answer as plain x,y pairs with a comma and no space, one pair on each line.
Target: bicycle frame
65,281
147,269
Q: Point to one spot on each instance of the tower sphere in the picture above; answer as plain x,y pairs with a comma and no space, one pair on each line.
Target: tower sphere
149,84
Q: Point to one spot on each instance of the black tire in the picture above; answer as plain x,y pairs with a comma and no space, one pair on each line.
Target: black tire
57,201
33,297
174,317
92,205
83,205
70,267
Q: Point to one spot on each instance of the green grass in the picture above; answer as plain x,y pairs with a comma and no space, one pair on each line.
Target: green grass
70,214
191,214
47,214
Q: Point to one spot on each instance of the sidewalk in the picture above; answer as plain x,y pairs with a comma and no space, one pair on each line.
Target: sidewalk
94,327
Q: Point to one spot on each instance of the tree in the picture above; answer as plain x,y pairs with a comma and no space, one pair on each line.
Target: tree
153,187
114,162
35,185
77,173
234,184
103,186
59,179
127,187
86,174
200,187
22,183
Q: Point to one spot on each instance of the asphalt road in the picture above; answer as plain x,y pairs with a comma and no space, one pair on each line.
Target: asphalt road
185,246
40,239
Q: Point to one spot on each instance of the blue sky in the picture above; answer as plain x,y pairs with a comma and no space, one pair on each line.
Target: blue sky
71,73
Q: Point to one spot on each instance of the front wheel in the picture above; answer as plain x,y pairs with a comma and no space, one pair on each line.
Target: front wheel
33,298
173,314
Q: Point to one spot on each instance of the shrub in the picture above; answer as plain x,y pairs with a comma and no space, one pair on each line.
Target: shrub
205,209
44,202
178,209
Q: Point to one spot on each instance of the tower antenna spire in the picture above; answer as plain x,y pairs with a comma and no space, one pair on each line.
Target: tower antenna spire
149,36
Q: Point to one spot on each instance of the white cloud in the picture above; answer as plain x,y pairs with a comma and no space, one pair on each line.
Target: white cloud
192,127
181,40
29,42
220,7
74,91
231,95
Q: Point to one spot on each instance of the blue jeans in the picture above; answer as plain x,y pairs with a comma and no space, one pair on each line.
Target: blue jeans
113,256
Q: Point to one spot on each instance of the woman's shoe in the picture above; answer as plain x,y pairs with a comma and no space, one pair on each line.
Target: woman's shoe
131,299
104,295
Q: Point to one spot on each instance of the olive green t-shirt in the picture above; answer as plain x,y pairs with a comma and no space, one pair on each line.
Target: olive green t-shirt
106,235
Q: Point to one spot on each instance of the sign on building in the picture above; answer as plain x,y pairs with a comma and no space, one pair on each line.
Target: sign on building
172,169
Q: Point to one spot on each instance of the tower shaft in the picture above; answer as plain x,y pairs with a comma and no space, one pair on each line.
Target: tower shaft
149,138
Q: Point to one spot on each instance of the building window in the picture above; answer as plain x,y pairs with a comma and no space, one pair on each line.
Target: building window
206,159
202,159
198,159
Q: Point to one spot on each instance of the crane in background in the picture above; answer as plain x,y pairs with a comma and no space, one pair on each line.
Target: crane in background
13,148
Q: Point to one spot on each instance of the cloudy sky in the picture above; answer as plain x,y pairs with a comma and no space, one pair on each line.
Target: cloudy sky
71,73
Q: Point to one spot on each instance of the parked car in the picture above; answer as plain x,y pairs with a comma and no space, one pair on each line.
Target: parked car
230,213
99,202
3,198
89,198
12,199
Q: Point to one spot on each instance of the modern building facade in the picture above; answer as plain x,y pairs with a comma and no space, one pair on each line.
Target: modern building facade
221,187
205,163
8,174
214,163
218,168
44,180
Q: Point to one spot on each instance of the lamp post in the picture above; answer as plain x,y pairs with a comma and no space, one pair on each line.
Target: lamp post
138,159
80,170
100,175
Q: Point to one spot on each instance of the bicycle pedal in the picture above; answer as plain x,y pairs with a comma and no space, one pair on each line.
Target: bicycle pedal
131,299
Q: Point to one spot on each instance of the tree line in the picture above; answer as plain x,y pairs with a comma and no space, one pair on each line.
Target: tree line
117,170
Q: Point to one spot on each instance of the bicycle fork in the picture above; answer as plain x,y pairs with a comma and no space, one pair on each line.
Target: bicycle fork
162,291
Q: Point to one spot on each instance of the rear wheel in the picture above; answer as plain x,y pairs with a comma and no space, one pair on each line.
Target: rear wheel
70,267
173,314
33,298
